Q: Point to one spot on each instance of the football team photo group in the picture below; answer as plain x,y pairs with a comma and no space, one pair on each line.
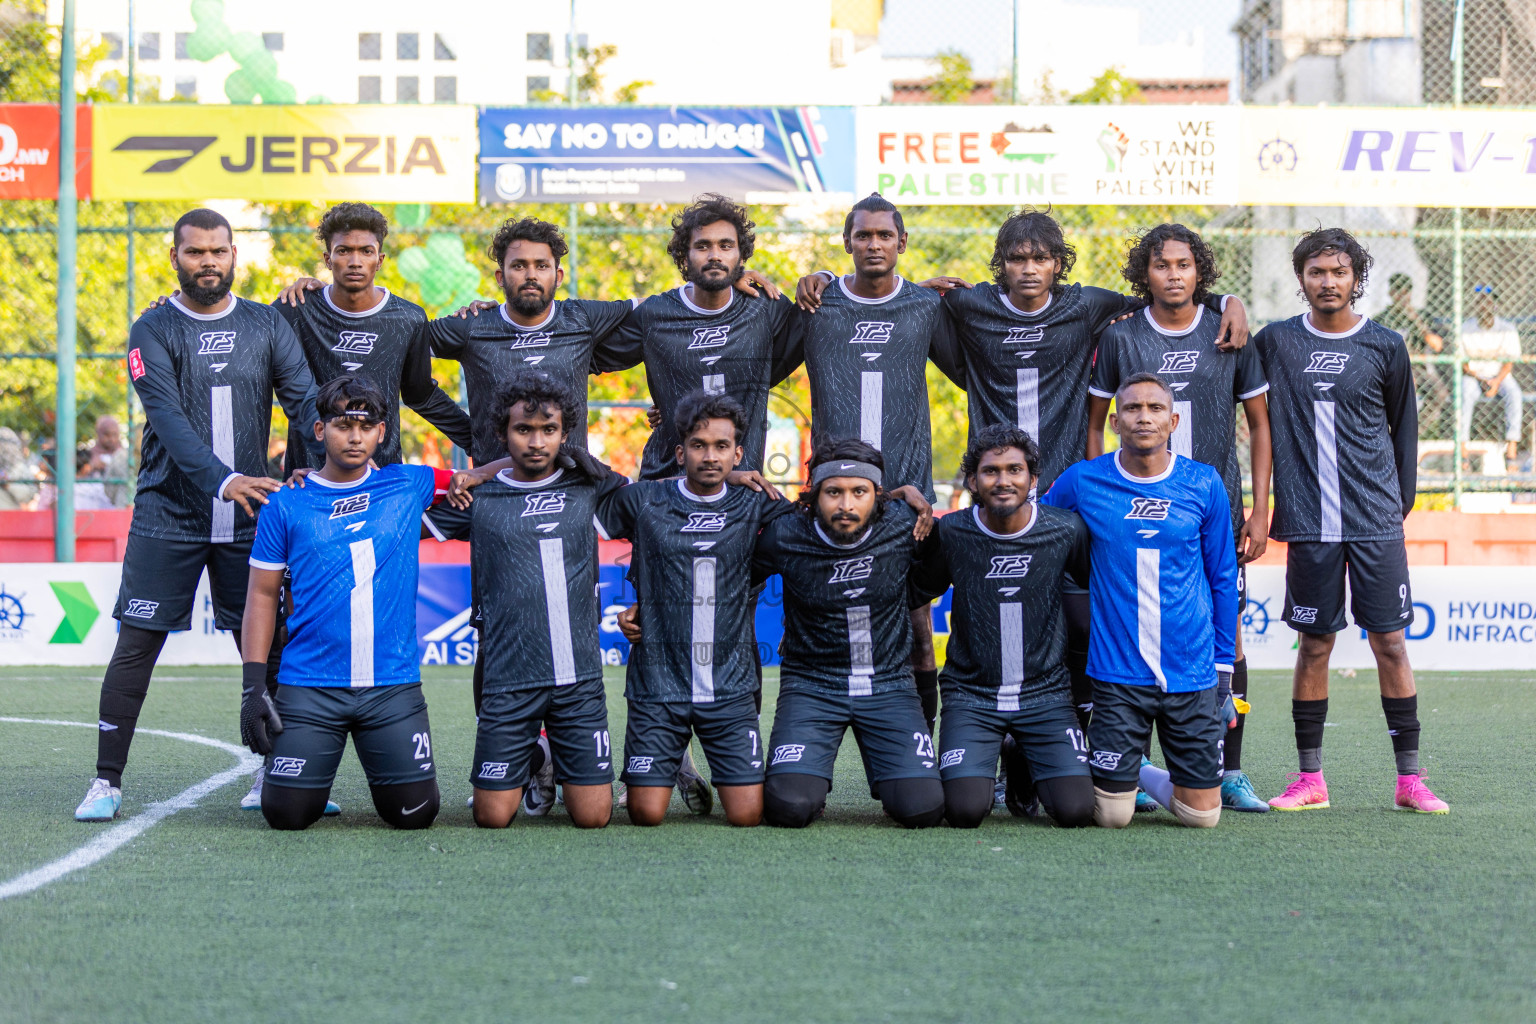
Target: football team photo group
1096,595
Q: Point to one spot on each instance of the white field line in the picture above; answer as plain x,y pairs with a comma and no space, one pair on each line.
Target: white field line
125,832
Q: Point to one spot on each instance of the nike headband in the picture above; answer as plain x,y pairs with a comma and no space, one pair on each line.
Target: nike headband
827,470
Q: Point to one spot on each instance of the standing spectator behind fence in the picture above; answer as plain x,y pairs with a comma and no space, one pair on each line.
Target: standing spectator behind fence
18,488
109,459
1491,345
1431,382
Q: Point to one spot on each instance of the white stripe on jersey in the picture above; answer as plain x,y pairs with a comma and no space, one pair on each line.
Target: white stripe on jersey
1184,434
1149,611
562,651
224,450
871,407
1326,432
1011,623
861,652
1027,397
703,659
714,383
363,567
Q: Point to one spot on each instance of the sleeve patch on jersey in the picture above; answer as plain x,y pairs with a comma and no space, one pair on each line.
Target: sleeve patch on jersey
135,364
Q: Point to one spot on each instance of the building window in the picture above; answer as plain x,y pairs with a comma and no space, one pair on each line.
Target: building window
445,89
370,46
114,41
539,47
537,84
441,50
186,88
369,89
149,46
407,89
272,41
406,45
181,46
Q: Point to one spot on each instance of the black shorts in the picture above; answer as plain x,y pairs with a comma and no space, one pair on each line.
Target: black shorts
1047,734
445,522
574,717
1380,597
1242,588
1192,737
889,728
388,726
657,734
160,580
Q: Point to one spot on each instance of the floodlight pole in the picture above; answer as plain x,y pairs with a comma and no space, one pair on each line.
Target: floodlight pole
572,242
1013,84
1458,269
64,364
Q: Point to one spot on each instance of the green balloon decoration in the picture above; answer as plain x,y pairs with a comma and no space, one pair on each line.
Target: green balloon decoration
440,270
257,75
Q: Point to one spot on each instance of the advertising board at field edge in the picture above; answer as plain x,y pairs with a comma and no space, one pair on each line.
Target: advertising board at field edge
390,154
664,154
29,151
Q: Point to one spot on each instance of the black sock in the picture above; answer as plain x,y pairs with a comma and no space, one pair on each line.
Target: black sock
1082,686
928,693
477,682
1309,716
123,689
1233,756
1403,726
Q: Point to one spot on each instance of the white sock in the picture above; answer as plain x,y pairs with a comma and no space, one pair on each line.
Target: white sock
1157,784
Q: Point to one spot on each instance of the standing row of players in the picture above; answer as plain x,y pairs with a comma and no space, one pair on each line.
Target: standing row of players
1021,345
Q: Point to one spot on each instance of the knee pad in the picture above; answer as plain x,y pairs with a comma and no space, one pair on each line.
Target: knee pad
967,802
1113,810
1192,818
291,810
409,806
913,803
794,801
1069,801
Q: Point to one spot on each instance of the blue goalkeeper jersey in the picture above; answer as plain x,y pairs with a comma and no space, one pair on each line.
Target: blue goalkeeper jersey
1163,581
351,550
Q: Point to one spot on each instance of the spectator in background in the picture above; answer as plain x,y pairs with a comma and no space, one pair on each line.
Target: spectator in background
18,487
90,493
109,459
1431,382
1491,345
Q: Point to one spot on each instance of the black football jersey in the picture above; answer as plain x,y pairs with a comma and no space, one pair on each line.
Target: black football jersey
846,625
878,350
1345,430
692,569
1207,386
741,350
534,566
570,344
206,382
1007,634
386,346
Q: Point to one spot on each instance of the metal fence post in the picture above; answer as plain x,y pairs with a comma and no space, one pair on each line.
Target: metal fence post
1458,455
66,228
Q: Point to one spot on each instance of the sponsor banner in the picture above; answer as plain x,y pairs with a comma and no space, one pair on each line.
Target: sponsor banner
1402,156
1465,618
671,155
29,151
394,154
1126,155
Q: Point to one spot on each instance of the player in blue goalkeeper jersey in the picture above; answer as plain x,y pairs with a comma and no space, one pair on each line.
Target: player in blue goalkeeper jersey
1163,586
348,539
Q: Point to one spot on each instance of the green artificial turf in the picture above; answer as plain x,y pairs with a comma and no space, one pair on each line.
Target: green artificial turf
1350,914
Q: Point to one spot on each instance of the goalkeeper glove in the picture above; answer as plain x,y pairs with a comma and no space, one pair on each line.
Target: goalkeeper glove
1228,706
258,716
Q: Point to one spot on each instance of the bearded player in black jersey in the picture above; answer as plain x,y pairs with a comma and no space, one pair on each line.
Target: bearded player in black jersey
1346,462
845,562
1004,673
205,366
1174,338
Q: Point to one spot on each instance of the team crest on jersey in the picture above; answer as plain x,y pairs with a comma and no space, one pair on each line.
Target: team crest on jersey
533,339
1302,614
287,767
215,343
1024,335
950,758
850,569
1327,362
704,522
140,608
1149,508
355,343
1108,760
710,337
1179,362
1009,566
874,331
350,505
543,504
493,769
640,765
787,753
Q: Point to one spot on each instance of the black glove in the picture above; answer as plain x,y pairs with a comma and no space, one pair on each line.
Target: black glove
576,457
1228,707
258,717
